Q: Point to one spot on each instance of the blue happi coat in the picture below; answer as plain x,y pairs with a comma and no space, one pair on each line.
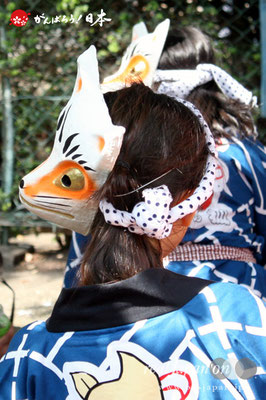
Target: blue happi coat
155,336
236,217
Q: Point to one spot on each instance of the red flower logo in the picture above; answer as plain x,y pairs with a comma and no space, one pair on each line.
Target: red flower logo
19,18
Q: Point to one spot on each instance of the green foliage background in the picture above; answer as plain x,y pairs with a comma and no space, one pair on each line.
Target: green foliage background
40,59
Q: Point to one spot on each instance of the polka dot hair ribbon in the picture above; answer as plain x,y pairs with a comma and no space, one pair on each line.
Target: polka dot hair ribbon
181,82
150,217
153,216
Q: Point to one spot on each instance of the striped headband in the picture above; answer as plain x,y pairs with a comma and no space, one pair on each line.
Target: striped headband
153,216
180,82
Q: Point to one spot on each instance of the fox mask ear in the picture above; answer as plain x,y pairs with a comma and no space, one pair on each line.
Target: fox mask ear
138,31
140,59
85,148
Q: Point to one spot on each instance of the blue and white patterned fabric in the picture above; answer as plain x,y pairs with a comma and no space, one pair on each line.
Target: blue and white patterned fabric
236,217
162,337
237,214
76,250
249,275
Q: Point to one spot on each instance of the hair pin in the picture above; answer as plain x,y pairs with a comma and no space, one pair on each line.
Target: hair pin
148,183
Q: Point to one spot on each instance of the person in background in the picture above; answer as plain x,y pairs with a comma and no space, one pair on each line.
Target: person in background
227,240
233,227
132,329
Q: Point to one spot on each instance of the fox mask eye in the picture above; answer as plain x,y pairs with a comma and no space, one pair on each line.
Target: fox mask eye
138,67
72,179
86,145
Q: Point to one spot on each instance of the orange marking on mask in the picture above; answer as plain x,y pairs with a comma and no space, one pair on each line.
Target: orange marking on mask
128,76
101,143
45,185
79,85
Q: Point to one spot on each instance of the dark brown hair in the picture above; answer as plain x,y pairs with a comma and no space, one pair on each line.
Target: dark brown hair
187,47
161,135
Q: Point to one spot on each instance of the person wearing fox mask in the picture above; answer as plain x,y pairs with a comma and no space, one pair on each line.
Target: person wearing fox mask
58,189
138,64
233,227
132,329
227,240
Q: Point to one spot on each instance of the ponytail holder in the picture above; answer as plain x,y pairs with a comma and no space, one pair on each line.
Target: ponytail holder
154,217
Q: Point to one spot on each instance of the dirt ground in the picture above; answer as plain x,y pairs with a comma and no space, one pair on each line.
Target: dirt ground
37,280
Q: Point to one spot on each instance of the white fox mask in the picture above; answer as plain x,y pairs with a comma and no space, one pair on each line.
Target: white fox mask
85,148
141,57
86,142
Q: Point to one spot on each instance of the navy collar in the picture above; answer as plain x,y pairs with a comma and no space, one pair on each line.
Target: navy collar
148,294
